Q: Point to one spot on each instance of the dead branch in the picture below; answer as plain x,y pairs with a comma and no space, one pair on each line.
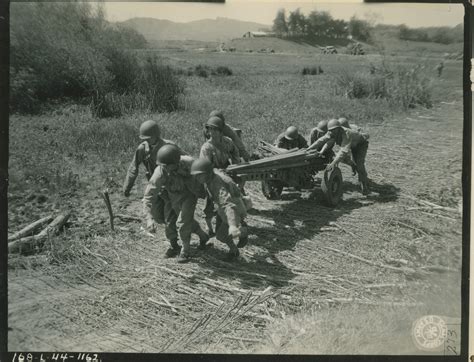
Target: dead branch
405,270
374,303
105,196
440,269
388,285
327,228
168,303
243,339
31,228
154,301
433,205
30,243
409,227
127,218
397,261
332,223
440,216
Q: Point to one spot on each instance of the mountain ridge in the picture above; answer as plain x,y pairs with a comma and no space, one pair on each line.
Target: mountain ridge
218,29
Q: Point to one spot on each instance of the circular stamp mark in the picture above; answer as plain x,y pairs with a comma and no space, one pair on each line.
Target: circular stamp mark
429,332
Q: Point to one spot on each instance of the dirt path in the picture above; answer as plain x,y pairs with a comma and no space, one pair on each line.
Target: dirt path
126,297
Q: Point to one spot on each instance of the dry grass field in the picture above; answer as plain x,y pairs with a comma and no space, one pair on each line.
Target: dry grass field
313,279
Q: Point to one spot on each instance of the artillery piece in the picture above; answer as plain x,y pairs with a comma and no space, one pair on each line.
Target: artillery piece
290,168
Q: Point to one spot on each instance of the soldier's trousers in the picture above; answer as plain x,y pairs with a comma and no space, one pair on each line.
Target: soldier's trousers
359,153
184,207
170,219
158,208
222,234
209,210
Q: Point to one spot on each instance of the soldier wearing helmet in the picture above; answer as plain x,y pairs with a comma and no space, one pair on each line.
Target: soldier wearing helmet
231,205
345,123
221,152
145,153
350,142
233,133
290,139
318,131
173,175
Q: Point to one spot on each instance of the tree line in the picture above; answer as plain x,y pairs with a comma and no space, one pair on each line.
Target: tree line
443,35
319,24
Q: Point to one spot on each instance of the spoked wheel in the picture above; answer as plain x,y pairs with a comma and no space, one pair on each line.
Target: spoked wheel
331,185
272,189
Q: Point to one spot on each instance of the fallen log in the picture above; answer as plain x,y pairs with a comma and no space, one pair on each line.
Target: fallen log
31,243
31,229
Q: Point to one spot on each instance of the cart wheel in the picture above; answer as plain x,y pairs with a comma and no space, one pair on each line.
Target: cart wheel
331,185
272,189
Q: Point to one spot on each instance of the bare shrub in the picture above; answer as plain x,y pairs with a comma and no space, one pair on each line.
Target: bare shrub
403,86
312,70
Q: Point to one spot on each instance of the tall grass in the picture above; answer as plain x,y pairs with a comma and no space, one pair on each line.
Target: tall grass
69,50
403,86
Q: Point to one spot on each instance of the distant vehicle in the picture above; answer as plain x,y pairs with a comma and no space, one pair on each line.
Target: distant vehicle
356,49
328,50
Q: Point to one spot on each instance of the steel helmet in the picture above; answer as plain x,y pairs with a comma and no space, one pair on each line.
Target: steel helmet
344,122
201,165
149,129
322,126
168,155
215,122
333,124
291,133
216,113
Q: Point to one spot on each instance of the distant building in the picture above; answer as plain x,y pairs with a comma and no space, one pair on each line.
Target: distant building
258,34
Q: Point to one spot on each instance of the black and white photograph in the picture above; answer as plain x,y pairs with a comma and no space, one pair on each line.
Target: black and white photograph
246,177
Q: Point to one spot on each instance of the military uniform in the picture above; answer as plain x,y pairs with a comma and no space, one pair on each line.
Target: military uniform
231,208
283,142
350,142
146,155
182,192
231,132
220,154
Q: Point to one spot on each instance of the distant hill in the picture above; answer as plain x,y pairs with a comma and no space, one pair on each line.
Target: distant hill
219,29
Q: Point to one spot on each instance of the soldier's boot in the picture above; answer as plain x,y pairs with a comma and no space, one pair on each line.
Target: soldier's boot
354,169
364,185
244,235
210,230
185,254
203,245
233,252
173,250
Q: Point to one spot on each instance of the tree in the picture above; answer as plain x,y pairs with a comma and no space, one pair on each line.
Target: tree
296,23
319,23
339,28
280,27
360,29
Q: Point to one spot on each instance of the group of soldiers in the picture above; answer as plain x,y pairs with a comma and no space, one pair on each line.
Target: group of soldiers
353,143
176,180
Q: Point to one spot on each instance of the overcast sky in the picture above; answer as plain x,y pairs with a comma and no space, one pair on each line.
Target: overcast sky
263,11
